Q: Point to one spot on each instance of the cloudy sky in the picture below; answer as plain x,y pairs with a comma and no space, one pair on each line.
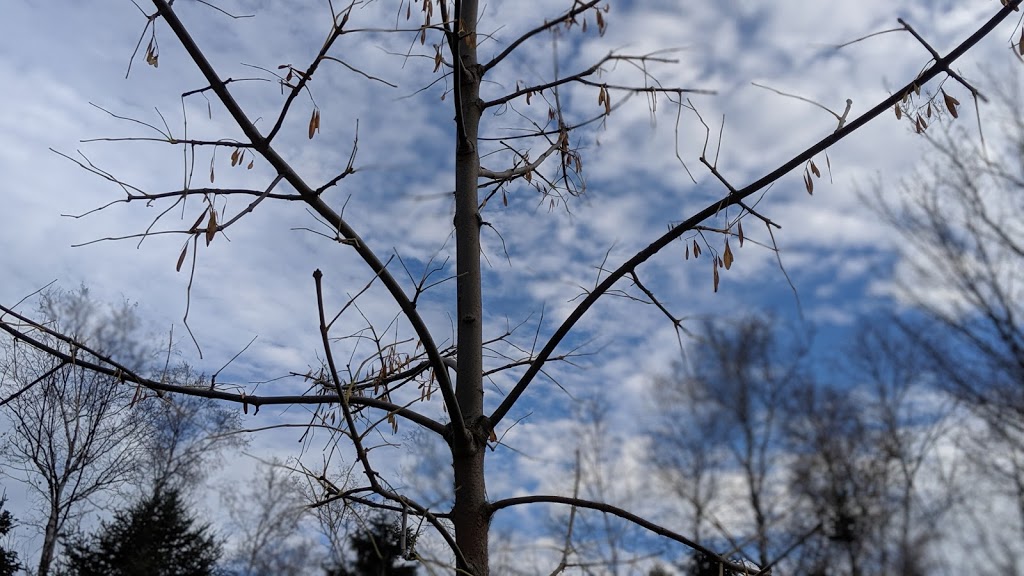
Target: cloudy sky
65,65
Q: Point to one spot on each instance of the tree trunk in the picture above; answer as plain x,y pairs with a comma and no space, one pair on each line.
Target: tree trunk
49,542
470,514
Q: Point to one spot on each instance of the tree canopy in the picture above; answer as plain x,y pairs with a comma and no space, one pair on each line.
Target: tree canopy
158,536
8,558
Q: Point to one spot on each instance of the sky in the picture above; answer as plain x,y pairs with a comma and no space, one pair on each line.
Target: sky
66,64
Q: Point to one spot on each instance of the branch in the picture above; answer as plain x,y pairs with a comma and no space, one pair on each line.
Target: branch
530,34
940,65
935,55
304,77
841,119
262,145
108,366
29,386
625,515
423,511
252,205
353,433
515,172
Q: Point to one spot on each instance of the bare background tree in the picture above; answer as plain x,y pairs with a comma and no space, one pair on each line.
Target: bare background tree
271,524
849,455
378,370
959,218
719,431
74,436
186,435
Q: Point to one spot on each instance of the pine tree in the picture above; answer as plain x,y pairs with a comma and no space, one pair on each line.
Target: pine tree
8,558
156,537
378,551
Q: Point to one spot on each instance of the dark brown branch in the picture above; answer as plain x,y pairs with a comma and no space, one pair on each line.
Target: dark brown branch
643,89
546,86
108,366
677,323
360,72
512,173
227,81
181,193
349,167
170,140
974,91
625,515
304,77
423,511
545,26
29,386
350,422
262,145
642,256
252,205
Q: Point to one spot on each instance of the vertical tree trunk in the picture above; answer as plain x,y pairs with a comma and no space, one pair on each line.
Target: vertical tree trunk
470,514
49,542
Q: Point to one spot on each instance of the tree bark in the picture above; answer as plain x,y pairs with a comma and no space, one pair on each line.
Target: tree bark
49,541
470,512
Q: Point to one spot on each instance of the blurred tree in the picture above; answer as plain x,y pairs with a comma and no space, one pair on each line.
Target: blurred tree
155,537
379,548
725,415
74,434
699,564
186,434
8,558
840,482
959,219
659,570
268,518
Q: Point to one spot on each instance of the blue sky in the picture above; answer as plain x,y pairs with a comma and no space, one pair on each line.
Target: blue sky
61,57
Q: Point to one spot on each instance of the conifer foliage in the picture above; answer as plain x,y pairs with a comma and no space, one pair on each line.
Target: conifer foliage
379,550
156,537
8,558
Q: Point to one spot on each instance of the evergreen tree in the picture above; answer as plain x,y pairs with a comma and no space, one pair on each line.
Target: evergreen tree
700,564
8,558
378,551
156,537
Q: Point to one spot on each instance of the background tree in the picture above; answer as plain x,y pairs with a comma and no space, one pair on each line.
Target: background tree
725,416
379,548
597,541
958,219
269,525
687,435
157,536
844,451
395,361
8,558
74,434
911,419
186,435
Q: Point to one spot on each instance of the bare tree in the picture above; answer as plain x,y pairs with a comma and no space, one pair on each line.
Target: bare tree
910,417
867,461
74,434
686,438
959,219
395,365
268,516
593,541
839,483
187,434
724,417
